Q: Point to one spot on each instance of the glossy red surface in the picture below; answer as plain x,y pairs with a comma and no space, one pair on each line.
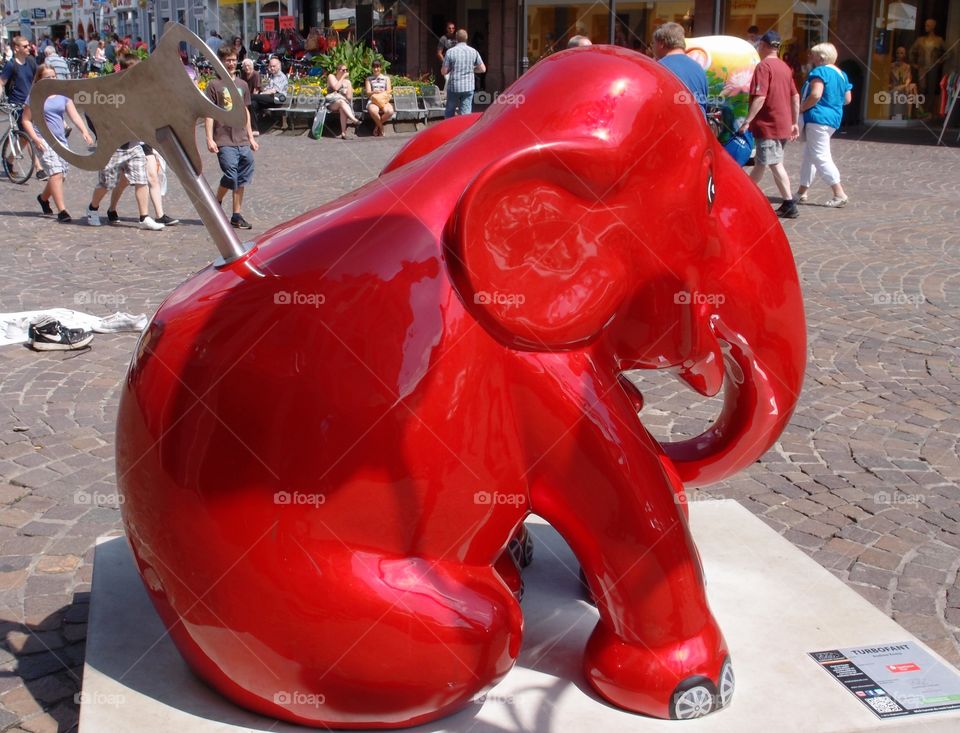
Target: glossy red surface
325,450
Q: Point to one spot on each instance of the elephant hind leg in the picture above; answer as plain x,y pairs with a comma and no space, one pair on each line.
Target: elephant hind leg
379,642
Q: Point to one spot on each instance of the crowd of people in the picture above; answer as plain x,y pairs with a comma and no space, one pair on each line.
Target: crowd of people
774,116
133,164
94,52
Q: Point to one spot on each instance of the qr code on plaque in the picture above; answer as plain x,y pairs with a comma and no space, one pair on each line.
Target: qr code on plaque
883,705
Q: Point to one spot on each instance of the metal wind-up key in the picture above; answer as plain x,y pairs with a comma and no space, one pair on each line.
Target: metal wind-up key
155,102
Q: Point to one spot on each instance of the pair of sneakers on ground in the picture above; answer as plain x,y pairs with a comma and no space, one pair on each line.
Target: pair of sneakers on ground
146,222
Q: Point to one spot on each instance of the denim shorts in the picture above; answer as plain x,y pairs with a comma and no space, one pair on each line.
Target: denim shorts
236,162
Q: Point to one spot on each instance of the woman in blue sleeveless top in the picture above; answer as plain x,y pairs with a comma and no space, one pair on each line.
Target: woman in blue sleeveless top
824,94
55,108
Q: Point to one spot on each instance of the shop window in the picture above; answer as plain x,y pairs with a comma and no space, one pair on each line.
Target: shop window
801,25
390,35
636,22
907,60
551,25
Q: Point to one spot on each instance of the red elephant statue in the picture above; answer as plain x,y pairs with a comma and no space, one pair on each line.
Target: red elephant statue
326,446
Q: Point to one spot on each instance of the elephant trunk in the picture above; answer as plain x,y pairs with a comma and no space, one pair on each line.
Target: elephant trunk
759,398
760,327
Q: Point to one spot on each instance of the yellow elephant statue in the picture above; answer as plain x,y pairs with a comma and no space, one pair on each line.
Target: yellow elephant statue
729,62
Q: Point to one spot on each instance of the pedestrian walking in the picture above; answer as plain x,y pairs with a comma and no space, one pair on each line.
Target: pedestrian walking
56,62
773,118
825,93
17,77
669,45
233,146
460,64
130,160
55,108
447,41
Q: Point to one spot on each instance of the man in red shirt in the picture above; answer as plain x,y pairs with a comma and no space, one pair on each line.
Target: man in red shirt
773,118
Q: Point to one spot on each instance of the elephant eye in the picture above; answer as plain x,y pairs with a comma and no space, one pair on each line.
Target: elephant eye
711,190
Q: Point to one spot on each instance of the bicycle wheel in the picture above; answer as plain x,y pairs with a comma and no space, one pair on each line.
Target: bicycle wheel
17,152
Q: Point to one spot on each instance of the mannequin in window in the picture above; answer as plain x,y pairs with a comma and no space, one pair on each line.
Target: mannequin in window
901,82
928,53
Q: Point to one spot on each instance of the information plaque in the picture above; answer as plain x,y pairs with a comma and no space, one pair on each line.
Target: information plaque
894,679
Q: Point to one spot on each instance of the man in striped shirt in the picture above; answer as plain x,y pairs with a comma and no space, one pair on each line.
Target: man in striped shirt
461,62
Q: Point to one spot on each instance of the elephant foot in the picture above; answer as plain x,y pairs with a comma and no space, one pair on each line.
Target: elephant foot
679,681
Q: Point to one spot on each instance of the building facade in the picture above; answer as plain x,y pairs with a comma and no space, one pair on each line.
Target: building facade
513,35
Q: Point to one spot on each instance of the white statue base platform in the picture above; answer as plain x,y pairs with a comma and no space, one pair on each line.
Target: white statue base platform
773,603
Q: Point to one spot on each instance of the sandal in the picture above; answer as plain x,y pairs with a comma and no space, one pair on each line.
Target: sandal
343,136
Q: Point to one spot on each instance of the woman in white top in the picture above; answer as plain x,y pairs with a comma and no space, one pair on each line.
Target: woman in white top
100,55
378,83
340,98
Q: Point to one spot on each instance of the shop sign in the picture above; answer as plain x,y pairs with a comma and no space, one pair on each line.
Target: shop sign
268,24
39,13
287,21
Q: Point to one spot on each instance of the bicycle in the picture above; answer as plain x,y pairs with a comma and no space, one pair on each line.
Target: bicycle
79,68
16,148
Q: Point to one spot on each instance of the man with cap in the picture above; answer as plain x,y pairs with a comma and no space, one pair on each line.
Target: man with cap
773,118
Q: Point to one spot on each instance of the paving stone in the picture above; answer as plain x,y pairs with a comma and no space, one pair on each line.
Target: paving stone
866,575
21,642
34,666
21,703
880,559
57,563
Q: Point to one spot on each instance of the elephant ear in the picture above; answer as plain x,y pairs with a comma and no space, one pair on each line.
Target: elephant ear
536,251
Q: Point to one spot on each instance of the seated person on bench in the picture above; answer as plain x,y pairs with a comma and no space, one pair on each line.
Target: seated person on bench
340,98
378,88
273,94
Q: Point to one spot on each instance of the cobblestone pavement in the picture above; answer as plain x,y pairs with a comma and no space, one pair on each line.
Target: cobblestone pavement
865,479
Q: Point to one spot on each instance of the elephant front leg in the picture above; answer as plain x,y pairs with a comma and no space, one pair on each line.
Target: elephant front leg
657,649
